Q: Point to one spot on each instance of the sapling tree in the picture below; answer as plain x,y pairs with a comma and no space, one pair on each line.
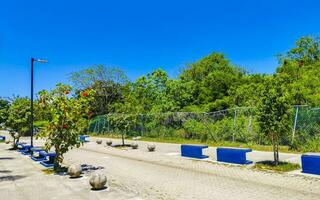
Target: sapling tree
274,113
68,119
122,122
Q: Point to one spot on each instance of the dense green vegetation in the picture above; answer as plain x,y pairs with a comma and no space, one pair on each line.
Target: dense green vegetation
186,107
211,101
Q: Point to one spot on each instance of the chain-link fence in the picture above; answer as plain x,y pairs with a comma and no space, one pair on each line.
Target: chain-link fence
238,124
234,125
306,128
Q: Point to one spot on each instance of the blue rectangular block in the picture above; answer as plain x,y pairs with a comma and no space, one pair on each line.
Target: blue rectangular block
84,138
2,137
233,155
310,163
193,151
25,149
49,158
39,157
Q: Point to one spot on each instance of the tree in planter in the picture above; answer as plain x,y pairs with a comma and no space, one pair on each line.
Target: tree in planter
122,122
17,121
68,119
274,113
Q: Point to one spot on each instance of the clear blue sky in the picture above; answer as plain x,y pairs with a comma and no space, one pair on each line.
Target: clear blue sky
142,35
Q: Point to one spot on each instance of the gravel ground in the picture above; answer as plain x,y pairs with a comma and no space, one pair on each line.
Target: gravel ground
163,174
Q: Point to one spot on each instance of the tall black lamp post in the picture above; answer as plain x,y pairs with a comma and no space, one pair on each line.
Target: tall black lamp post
31,106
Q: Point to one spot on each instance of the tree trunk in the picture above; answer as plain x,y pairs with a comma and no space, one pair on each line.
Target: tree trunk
275,146
122,139
56,164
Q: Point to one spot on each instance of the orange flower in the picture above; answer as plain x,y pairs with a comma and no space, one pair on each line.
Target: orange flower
65,126
85,94
67,92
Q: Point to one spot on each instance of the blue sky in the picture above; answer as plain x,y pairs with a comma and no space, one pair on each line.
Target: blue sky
142,35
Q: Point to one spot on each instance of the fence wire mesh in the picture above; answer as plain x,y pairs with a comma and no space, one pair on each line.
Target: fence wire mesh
234,125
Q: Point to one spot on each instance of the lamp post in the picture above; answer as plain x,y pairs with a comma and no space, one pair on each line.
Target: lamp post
31,106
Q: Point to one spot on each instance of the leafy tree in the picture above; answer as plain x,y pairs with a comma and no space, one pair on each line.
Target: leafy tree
274,113
212,76
68,119
4,106
18,118
306,52
106,81
148,94
123,123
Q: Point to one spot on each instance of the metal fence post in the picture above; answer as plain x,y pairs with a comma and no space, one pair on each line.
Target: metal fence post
234,124
295,124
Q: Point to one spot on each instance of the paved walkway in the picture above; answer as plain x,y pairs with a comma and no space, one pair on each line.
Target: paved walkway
138,174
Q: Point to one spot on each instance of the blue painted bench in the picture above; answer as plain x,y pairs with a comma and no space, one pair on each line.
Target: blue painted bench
25,148
35,154
2,138
49,158
233,155
84,138
193,151
311,163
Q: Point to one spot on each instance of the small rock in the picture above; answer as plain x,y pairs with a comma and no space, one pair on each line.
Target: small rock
98,181
109,142
151,147
7,141
134,145
74,170
99,141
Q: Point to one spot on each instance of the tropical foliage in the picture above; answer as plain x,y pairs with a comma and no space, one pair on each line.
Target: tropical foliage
68,118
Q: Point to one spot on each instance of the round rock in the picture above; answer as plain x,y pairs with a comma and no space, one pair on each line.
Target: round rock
98,181
151,147
75,170
109,142
99,141
134,145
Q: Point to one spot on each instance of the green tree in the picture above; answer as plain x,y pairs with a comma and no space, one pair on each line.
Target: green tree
18,118
4,106
212,76
123,123
274,113
108,82
68,119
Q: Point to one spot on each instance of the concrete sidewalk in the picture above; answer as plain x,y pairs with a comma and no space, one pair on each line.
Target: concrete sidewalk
23,179
163,174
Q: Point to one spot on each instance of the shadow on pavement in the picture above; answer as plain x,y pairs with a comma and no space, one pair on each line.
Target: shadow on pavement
10,178
5,171
6,158
89,168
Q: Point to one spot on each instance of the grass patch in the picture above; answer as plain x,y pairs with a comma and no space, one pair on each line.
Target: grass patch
48,171
270,166
283,149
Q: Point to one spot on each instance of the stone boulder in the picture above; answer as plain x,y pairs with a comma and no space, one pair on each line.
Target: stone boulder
74,170
134,145
98,181
151,147
99,141
109,142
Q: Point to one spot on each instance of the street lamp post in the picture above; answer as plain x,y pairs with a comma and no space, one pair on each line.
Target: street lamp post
31,97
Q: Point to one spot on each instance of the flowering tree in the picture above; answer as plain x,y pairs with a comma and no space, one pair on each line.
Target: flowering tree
68,119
